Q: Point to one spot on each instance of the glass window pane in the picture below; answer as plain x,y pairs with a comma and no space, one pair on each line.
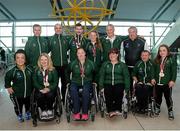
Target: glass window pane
6,31
23,31
7,41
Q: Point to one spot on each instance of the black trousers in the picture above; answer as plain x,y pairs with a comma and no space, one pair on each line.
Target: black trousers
45,101
18,103
164,89
143,94
61,74
131,80
114,96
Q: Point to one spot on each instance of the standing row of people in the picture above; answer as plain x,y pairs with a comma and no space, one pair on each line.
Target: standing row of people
84,62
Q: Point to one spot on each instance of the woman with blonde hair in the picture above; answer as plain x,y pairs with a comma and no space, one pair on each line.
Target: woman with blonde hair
45,82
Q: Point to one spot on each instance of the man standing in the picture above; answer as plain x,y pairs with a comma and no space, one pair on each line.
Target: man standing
110,41
76,41
35,46
59,48
131,49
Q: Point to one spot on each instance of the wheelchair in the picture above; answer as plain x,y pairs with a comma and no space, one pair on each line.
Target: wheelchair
149,109
36,111
102,105
93,108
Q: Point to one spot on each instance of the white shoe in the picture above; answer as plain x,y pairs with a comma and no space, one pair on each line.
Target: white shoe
44,115
50,112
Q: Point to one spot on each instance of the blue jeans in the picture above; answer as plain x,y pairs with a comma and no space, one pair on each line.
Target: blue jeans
74,92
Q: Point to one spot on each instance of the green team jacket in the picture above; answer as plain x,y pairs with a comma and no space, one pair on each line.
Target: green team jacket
74,68
114,74
20,81
144,71
107,45
72,46
38,79
59,47
33,49
170,71
97,58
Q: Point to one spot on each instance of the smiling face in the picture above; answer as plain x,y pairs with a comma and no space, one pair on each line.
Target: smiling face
163,52
37,31
110,31
78,30
81,54
20,59
145,56
132,33
93,36
58,29
44,62
113,57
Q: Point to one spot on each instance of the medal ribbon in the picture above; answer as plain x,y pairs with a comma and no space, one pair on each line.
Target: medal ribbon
162,65
94,50
81,69
45,76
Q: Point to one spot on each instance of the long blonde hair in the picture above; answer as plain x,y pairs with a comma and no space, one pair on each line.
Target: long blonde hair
50,64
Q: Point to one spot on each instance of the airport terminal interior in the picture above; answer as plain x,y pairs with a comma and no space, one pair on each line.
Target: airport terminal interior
157,21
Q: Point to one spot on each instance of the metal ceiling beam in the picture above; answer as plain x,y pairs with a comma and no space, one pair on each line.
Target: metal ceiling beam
160,8
114,7
109,6
5,14
165,9
59,5
8,12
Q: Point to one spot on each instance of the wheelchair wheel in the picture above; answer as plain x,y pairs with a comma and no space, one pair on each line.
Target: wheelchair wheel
59,105
67,105
93,112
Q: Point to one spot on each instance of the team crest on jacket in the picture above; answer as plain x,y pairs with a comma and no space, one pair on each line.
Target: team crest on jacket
54,42
127,45
34,45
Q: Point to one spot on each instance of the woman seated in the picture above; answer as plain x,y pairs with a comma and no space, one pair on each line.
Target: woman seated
45,81
114,78
82,73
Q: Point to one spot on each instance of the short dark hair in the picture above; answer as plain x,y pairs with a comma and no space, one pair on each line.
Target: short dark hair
145,51
113,50
20,51
78,24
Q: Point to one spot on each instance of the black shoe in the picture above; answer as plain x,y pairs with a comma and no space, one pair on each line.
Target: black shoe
171,115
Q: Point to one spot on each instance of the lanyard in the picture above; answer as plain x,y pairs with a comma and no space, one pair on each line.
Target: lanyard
45,76
162,65
94,50
82,69
78,40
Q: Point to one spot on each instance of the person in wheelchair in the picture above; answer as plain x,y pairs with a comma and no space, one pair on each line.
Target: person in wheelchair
45,82
81,70
114,79
143,76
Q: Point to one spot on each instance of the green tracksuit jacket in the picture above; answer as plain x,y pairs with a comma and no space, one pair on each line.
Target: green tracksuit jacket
114,74
74,68
52,79
59,47
73,47
170,71
34,47
107,45
20,81
144,71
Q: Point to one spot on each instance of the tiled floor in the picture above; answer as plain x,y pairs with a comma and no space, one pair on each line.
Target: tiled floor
8,119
